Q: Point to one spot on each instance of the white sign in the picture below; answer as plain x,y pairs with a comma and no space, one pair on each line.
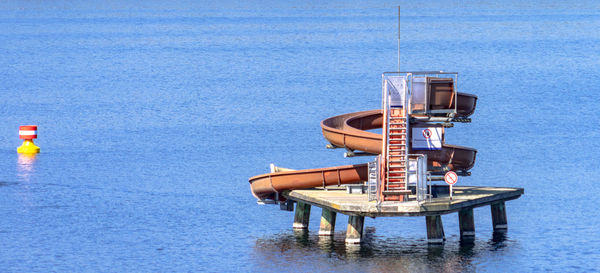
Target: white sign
427,138
451,178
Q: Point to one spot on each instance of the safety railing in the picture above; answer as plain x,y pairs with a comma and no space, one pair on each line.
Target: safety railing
373,182
418,176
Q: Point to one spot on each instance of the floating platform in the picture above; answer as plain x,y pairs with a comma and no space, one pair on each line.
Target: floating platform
357,206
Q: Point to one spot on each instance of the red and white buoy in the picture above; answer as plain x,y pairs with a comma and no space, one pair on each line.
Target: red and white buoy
28,133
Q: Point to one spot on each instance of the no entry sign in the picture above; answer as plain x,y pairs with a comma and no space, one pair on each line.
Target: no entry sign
426,133
451,178
427,138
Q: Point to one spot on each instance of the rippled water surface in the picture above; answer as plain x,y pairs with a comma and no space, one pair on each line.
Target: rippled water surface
152,116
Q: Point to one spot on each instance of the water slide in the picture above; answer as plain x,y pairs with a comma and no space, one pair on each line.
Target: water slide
350,131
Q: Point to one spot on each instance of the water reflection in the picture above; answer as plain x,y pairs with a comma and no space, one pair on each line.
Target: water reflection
25,166
306,251
498,240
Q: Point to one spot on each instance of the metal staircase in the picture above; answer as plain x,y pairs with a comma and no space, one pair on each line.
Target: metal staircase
395,148
396,186
407,97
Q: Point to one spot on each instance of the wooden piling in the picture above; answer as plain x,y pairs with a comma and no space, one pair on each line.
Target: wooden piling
302,216
499,216
355,229
466,223
435,229
327,227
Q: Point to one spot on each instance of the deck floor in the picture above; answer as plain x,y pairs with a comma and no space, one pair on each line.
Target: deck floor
338,200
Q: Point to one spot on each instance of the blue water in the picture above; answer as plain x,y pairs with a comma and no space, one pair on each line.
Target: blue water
152,116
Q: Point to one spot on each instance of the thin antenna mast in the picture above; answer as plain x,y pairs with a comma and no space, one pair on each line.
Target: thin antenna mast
399,38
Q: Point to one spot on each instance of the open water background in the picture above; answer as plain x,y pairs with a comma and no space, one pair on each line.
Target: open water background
152,116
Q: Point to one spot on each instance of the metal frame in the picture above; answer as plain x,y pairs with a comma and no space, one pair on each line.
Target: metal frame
428,74
386,108
373,182
424,178
423,185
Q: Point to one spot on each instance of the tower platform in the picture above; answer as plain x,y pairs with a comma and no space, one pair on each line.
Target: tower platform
357,206
336,199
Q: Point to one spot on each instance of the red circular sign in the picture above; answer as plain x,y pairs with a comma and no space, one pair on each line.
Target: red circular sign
426,133
451,178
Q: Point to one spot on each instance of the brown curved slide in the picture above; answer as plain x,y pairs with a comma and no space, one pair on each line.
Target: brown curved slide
349,131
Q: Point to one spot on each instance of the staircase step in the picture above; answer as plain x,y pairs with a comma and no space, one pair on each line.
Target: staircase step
397,192
396,180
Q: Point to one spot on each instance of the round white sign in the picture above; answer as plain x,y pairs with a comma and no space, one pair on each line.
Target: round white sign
451,178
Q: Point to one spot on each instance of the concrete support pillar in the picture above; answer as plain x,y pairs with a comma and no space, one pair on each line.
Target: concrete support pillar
467,224
435,229
355,229
302,216
327,227
499,216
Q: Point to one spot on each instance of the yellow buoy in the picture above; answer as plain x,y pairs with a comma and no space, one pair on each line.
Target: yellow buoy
28,133
28,147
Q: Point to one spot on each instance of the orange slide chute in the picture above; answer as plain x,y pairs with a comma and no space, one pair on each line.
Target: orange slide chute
350,131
